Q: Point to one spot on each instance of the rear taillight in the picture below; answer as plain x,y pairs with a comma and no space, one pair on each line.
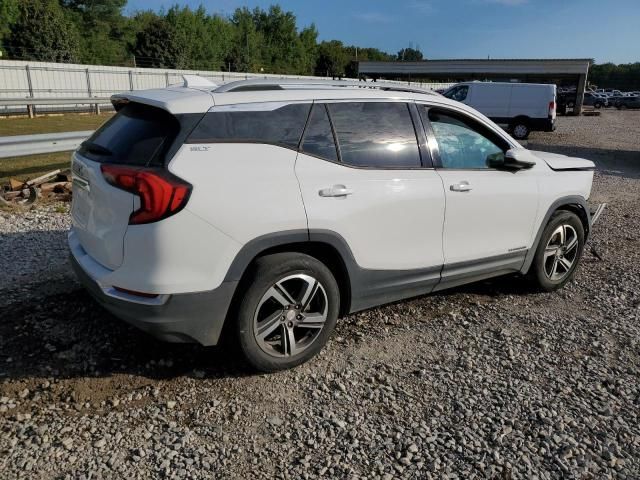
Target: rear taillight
161,193
552,107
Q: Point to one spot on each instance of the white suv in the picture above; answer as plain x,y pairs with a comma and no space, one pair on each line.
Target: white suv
271,208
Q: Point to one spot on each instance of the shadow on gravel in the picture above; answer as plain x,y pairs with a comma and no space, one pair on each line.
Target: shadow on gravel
622,163
69,335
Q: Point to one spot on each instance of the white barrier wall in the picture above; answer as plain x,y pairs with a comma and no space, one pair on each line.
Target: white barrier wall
25,79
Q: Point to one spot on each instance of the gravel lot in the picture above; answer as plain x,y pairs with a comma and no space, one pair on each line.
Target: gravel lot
486,381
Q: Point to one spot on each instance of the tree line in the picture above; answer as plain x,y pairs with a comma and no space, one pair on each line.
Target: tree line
99,32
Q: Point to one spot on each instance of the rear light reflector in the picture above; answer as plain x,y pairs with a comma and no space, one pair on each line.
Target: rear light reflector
136,294
161,193
552,107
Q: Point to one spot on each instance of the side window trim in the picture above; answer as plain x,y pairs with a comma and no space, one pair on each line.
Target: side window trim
300,148
426,156
432,142
333,132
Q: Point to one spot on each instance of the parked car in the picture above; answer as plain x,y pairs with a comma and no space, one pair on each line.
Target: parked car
270,208
595,100
628,102
520,107
565,101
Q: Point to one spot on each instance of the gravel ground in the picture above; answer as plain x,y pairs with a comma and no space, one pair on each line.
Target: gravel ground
485,381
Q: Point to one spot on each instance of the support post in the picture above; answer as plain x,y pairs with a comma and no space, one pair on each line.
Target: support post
131,80
582,83
30,108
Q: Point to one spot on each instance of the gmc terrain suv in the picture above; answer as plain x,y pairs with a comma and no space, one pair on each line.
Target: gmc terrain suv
274,207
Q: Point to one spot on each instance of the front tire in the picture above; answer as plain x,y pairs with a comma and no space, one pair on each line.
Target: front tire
559,252
288,311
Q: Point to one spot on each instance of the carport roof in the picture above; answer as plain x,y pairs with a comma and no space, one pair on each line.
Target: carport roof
563,66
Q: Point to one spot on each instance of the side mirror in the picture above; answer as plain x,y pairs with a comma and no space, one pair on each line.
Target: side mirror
513,160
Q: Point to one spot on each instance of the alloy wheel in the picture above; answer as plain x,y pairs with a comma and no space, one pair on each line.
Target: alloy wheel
560,253
290,315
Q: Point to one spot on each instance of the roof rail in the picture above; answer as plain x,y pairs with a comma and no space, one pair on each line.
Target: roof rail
257,84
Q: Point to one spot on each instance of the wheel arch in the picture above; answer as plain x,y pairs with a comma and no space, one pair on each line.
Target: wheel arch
574,204
326,250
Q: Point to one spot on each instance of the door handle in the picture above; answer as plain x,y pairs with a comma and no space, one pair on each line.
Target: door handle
460,187
335,191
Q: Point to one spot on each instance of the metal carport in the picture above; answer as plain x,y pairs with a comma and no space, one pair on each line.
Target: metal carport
562,72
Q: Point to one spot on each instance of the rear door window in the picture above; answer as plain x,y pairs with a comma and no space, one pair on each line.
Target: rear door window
375,134
137,135
275,124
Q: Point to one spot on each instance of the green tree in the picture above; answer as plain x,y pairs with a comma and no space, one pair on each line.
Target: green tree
41,31
332,59
246,55
409,55
8,15
106,32
281,44
308,50
157,44
207,40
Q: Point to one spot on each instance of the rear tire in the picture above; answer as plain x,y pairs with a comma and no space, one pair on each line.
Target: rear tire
559,252
288,311
520,130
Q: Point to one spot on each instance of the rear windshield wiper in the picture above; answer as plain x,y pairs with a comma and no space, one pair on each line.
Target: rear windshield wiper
92,147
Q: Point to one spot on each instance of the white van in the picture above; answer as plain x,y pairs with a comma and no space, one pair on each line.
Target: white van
521,107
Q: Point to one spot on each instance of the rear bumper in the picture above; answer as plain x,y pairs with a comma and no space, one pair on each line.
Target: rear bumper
184,318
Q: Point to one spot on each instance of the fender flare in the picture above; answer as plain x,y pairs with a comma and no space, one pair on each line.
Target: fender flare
561,202
368,287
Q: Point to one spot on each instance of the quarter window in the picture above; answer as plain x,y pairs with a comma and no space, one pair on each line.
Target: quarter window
375,134
462,143
279,126
318,138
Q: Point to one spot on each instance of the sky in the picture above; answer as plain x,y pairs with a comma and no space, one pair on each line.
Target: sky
608,31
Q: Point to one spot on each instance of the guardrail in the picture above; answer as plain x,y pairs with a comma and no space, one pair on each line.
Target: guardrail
21,145
29,102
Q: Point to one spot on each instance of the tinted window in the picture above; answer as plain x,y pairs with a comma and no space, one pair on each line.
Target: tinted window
463,143
374,134
458,93
281,126
137,135
318,138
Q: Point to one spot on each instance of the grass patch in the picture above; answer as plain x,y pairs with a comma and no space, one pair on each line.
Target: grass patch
69,122
24,168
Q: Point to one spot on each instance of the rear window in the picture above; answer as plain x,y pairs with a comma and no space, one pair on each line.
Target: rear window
259,123
137,135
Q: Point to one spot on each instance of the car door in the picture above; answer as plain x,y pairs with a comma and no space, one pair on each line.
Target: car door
490,213
375,189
